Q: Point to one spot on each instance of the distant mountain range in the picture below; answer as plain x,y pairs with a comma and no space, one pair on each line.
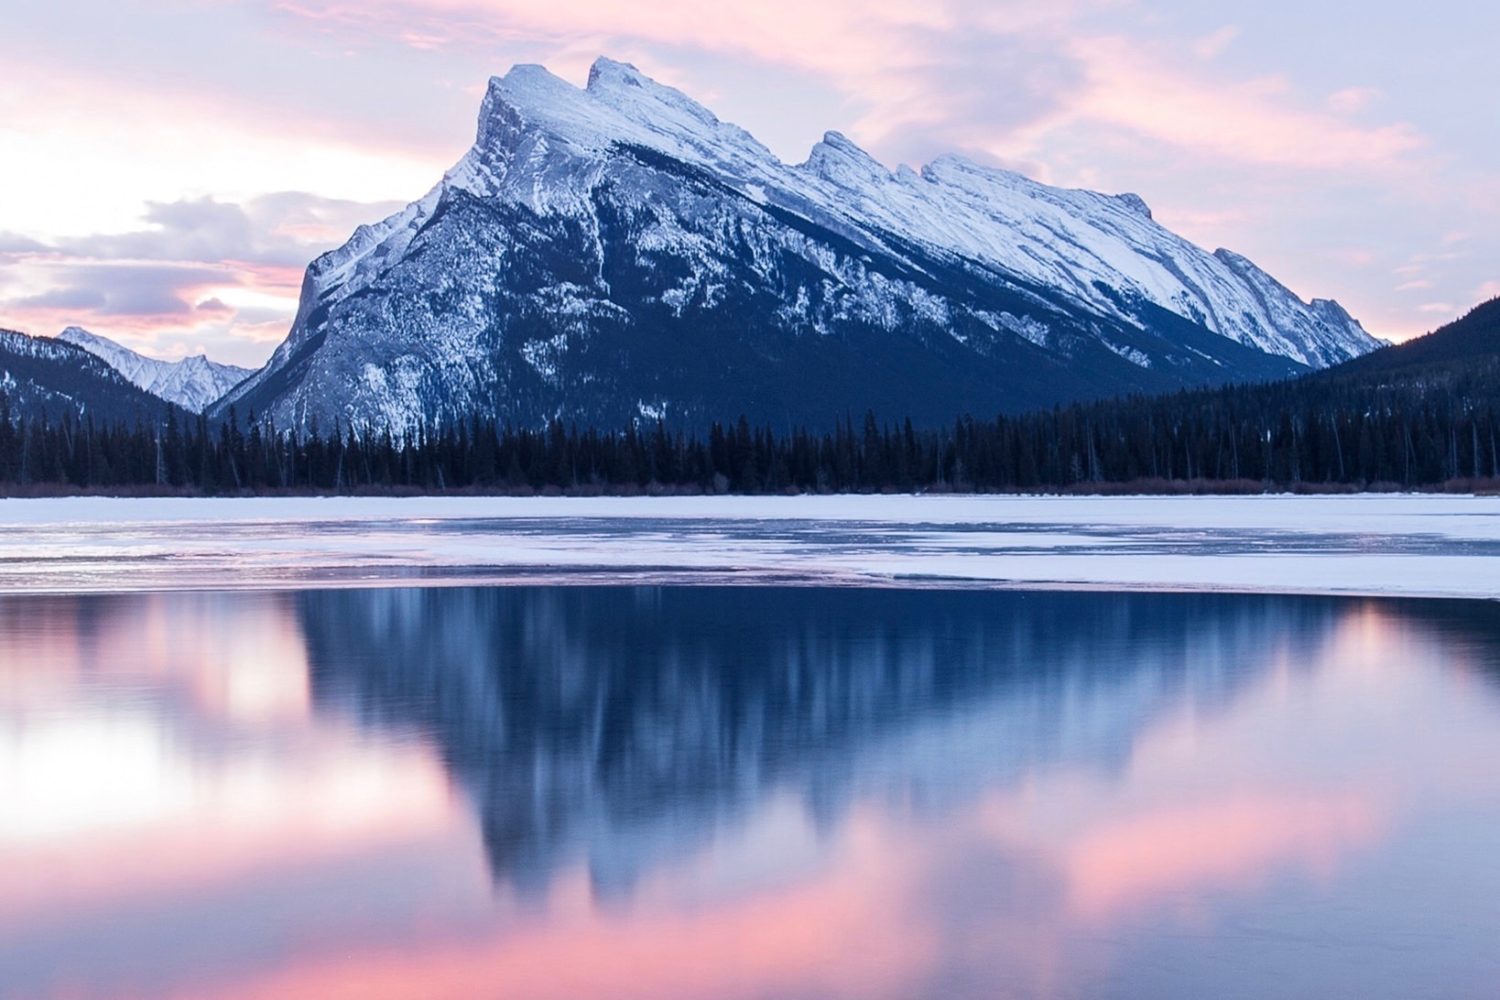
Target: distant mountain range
191,383
50,376
617,254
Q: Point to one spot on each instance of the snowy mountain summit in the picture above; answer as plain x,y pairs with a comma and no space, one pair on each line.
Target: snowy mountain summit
192,383
618,253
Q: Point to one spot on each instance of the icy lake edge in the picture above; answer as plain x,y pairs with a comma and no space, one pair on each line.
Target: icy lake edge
1354,545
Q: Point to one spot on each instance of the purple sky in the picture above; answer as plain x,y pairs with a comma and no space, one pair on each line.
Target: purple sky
168,167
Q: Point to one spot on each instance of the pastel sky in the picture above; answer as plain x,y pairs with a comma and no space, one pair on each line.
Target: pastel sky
169,167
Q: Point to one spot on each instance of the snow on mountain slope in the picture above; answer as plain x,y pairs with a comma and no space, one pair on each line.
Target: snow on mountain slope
44,376
192,383
617,252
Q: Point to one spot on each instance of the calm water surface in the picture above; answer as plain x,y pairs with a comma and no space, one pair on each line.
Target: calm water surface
747,792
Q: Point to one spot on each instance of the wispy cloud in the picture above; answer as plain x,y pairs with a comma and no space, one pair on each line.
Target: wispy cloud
1351,100
995,76
1258,121
285,228
201,271
126,289
136,135
1214,43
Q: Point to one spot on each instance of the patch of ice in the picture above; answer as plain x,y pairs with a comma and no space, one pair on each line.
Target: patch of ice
1374,544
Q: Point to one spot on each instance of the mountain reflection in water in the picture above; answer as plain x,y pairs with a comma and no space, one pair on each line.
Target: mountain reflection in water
756,792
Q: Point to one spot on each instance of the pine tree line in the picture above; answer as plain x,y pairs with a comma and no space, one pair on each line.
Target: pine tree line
1419,434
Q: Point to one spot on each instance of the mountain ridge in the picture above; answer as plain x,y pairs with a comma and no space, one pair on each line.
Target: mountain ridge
45,375
618,253
193,383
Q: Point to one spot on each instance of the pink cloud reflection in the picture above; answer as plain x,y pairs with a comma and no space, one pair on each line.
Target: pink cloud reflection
843,932
1235,843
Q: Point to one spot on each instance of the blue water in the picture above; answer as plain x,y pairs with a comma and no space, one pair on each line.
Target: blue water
747,792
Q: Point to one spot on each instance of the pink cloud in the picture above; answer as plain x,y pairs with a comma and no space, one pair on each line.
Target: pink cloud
200,272
1256,121
846,930
1213,44
378,97
902,63
1351,100
145,302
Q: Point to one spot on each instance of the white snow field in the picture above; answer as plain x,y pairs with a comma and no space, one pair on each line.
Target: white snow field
1434,546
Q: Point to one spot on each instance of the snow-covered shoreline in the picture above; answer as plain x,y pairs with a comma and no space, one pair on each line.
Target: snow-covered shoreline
1396,545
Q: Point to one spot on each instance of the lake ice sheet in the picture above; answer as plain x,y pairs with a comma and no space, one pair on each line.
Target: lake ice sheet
1440,546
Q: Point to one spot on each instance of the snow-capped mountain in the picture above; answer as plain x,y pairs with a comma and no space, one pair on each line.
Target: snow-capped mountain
45,376
192,383
617,253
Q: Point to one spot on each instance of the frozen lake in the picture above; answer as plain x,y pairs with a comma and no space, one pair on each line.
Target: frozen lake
281,748
1434,546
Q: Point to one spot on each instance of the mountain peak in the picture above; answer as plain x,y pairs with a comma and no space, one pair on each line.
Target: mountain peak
77,335
620,106
1135,203
626,89
616,250
508,98
192,383
841,160
527,84
607,72
55,375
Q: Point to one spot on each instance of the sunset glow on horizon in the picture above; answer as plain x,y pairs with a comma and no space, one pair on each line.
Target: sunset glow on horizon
171,166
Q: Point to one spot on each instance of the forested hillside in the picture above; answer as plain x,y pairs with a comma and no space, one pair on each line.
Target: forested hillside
1422,415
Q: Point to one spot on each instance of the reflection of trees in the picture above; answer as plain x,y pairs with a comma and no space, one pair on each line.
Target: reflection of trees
628,716
1469,630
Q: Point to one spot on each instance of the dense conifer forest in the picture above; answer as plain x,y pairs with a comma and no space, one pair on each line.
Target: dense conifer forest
1226,441
1422,416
